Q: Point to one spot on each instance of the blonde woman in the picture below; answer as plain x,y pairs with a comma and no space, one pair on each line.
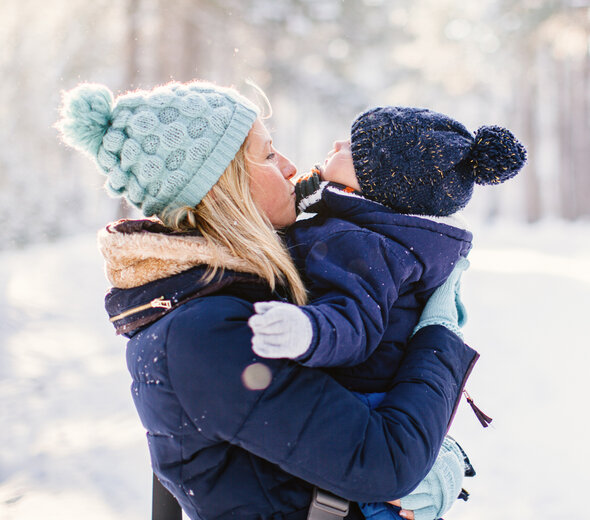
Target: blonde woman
232,435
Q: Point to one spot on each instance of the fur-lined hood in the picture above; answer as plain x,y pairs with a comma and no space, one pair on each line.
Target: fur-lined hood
154,270
140,251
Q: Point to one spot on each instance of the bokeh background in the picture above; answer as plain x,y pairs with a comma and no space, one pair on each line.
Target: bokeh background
69,440
523,64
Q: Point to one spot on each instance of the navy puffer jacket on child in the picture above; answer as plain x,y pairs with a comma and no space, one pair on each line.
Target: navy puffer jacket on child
369,271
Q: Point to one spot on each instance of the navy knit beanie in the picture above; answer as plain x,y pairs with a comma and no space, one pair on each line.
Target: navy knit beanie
417,161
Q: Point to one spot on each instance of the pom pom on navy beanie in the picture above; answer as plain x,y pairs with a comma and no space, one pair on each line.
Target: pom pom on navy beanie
160,149
417,161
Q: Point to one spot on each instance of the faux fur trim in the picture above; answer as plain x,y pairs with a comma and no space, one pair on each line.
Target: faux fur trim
134,259
456,220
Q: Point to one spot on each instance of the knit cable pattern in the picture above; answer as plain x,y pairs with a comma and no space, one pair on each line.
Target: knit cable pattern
163,148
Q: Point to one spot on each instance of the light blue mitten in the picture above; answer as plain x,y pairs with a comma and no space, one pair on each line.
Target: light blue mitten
281,330
435,495
444,307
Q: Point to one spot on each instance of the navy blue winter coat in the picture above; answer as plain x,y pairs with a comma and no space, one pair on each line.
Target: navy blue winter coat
369,271
226,450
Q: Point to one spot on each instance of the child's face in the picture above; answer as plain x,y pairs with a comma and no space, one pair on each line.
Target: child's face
338,166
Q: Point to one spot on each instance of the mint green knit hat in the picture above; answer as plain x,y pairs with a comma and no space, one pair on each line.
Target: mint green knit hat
160,149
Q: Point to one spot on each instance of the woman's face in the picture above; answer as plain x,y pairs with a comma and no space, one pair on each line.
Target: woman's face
270,172
339,167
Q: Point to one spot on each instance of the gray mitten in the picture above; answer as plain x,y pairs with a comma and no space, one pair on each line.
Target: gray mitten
281,330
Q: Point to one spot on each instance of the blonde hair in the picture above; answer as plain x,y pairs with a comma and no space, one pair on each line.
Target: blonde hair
229,220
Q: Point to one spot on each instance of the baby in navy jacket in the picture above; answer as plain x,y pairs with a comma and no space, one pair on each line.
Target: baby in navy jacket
382,235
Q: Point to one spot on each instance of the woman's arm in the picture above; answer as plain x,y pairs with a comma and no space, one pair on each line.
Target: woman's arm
304,421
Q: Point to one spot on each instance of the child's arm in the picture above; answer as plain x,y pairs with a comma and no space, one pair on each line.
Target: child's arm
283,330
356,278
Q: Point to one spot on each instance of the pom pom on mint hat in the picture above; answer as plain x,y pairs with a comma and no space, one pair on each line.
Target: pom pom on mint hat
421,162
161,149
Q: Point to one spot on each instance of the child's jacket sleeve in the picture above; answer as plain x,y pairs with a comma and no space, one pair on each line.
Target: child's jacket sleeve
356,277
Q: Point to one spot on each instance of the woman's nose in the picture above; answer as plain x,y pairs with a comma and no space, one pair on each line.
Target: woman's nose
288,169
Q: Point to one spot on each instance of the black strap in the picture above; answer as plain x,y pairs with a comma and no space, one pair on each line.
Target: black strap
164,505
326,506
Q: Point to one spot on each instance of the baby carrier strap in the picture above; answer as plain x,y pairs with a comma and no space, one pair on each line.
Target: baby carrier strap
324,505
164,505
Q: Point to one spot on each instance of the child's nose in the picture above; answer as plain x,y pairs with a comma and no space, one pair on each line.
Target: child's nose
339,145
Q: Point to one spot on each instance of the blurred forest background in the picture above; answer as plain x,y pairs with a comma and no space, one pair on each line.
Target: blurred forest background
72,444
521,64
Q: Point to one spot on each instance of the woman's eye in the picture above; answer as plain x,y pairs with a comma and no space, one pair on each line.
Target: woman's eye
270,156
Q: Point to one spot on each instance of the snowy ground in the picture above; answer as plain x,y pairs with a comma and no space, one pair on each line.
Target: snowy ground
71,445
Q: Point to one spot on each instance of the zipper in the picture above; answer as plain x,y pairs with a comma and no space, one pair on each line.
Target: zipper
484,419
463,383
156,303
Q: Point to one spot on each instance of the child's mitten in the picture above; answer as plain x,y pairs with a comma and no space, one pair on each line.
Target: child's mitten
281,330
444,307
308,192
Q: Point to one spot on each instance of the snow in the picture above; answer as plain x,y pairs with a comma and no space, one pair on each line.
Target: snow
72,445
71,442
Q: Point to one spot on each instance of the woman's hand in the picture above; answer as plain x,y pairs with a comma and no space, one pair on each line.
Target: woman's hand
404,513
439,490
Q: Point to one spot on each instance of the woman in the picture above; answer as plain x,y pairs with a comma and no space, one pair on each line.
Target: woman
231,434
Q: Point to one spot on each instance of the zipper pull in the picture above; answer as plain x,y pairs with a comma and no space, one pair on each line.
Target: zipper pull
161,303
482,417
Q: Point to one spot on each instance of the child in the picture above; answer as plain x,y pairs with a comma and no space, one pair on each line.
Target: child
384,236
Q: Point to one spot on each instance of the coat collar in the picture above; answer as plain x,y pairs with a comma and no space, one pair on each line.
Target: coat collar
346,203
336,200
154,270
137,252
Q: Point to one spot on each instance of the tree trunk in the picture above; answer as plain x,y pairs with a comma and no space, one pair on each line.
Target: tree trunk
581,137
529,102
170,44
566,175
190,41
131,72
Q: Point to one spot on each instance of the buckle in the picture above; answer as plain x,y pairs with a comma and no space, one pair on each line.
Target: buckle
327,506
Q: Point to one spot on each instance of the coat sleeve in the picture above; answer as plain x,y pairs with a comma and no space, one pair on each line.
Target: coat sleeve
300,419
355,279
